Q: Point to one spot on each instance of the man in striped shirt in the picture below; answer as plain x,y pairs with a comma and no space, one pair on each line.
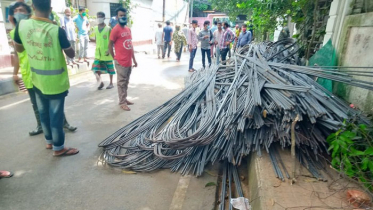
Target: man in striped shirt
226,40
192,42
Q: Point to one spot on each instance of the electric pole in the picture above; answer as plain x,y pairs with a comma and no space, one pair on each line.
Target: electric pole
191,8
164,7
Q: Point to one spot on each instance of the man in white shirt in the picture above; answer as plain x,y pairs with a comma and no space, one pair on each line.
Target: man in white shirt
185,31
158,40
217,37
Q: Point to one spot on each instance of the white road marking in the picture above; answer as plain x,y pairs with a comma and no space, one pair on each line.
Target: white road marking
180,192
27,99
15,103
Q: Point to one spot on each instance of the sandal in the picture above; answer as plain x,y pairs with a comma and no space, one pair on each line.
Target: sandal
110,86
101,86
129,102
191,70
125,107
68,151
49,146
6,174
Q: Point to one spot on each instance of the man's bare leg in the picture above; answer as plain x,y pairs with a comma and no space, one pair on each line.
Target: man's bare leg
111,82
98,77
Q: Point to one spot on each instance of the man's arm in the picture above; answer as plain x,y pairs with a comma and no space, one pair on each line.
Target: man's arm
18,42
111,51
133,57
65,44
249,38
200,36
171,34
16,68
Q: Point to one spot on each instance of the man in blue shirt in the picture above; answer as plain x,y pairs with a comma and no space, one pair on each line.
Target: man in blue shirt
245,37
113,21
167,35
82,24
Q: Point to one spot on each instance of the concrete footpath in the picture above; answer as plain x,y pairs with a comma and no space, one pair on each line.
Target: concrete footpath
42,181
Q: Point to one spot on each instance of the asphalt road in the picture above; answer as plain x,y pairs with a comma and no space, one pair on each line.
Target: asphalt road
42,181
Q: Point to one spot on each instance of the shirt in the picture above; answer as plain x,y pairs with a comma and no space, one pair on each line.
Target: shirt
228,36
81,23
178,38
213,29
113,21
192,38
167,33
217,36
185,31
244,39
69,27
158,36
205,43
122,38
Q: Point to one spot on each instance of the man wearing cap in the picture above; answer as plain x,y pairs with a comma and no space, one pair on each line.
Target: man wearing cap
167,35
192,42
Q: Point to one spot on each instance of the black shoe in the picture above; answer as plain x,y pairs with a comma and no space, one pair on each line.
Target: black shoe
70,128
209,65
101,86
37,131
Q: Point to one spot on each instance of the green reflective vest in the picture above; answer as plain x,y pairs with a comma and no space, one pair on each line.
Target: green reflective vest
24,65
102,44
47,62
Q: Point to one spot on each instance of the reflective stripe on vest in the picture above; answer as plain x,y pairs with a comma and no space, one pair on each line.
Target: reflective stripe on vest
47,72
47,62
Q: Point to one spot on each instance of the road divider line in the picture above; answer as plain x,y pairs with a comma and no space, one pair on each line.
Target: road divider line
180,192
15,103
27,99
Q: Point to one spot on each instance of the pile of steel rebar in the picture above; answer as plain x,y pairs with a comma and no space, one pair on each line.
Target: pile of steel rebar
228,111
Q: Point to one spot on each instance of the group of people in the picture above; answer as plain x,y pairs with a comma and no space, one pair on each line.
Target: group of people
41,47
214,41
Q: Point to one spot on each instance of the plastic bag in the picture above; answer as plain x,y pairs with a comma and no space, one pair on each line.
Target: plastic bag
241,203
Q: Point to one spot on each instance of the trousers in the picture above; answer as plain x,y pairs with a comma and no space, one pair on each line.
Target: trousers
204,52
83,43
123,79
167,45
51,111
191,59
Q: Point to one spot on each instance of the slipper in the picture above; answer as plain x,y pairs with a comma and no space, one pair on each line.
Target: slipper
6,174
191,70
129,102
69,151
101,86
110,86
49,146
125,107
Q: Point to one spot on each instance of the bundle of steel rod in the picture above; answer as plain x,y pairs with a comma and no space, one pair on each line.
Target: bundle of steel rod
231,110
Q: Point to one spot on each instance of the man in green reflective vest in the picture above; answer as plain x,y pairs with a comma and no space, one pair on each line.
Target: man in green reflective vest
44,42
22,11
103,60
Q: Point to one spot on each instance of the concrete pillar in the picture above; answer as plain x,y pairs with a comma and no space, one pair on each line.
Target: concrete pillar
4,46
339,9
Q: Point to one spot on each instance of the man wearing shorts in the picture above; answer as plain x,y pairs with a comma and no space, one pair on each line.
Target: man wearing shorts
121,39
103,63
